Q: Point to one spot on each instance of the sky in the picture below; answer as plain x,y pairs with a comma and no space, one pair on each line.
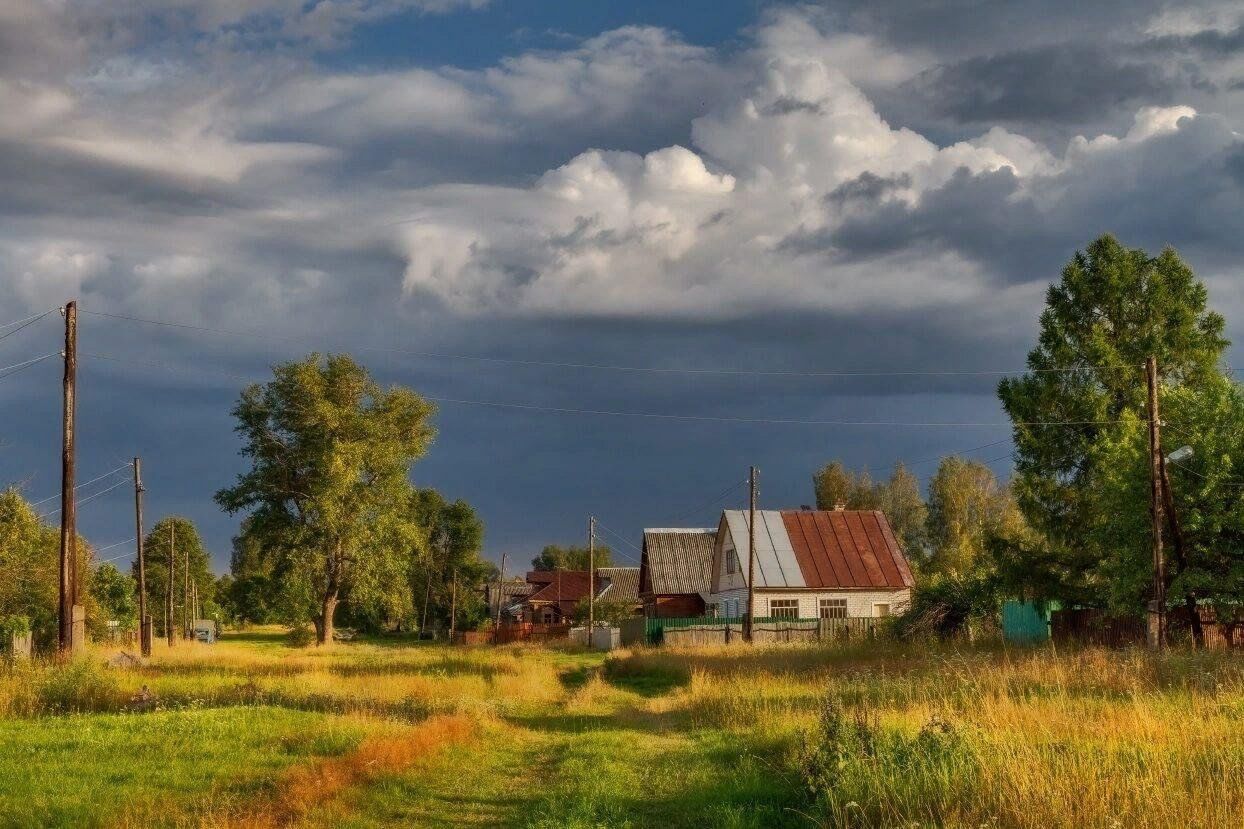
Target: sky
626,246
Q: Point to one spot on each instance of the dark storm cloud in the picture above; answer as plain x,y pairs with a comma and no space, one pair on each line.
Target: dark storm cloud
1064,83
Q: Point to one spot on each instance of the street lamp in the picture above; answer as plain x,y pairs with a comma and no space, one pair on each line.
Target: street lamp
1180,454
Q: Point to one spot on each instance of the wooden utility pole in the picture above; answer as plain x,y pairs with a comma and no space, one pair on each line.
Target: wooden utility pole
500,584
453,606
144,621
591,577
185,596
168,594
1157,608
749,619
68,515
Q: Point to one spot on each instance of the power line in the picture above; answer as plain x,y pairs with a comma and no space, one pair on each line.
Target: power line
24,323
79,486
664,416
31,318
87,498
22,366
612,366
696,510
621,538
110,546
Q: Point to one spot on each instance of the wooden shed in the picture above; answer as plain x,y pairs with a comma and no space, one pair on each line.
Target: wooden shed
675,571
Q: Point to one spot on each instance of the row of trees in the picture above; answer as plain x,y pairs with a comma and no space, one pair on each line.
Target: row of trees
30,574
1074,524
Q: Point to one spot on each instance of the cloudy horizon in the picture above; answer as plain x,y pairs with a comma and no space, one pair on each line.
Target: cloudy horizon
737,198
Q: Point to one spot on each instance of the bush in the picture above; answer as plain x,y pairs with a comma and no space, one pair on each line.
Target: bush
948,607
300,636
80,685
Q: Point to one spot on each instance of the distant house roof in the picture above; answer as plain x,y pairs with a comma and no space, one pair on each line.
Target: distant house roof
622,584
820,548
558,585
677,560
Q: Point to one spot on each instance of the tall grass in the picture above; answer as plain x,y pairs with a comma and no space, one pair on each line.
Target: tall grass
1021,738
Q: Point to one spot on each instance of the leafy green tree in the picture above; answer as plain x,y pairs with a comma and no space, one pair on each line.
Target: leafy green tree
249,595
116,597
182,537
330,452
967,506
556,557
1205,561
29,567
609,611
898,497
454,537
1112,308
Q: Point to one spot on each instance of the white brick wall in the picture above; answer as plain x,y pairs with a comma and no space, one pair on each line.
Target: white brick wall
859,602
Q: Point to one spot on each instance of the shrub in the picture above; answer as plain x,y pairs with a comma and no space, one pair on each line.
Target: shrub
80,685
300,636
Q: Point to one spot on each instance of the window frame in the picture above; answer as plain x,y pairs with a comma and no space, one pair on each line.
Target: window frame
791,605
831,604
889,607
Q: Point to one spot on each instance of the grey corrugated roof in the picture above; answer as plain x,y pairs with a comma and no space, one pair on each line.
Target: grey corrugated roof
623,583
678,560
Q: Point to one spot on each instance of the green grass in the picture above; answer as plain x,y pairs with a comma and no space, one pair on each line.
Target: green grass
255,733
91,769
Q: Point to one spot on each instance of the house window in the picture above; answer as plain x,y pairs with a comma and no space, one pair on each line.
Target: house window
881,609
784,608
833,608
732,562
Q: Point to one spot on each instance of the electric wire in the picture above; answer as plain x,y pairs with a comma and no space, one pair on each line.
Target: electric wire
22,366
25,323
612,366
660,415
87,499
86,483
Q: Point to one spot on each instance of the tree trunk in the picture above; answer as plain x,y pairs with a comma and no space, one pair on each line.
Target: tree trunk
1194,619
324,623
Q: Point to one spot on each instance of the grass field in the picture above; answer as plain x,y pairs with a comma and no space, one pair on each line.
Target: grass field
252,733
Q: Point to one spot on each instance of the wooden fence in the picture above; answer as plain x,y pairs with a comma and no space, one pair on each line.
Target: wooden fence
707,630
1088,626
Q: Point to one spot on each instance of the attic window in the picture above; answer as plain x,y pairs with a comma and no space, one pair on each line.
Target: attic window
732,562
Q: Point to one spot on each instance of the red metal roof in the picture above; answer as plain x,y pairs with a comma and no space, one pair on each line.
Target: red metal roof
846,549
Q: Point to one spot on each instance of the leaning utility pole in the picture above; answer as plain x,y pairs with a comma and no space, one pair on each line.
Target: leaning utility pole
591,577
67,640
144,621
749,620
500,585
168,594
1157,608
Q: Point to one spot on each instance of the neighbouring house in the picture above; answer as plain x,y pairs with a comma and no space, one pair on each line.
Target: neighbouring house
510,593
676,571
828,564
556,593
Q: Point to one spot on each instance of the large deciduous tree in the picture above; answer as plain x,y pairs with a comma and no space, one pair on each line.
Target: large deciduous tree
327,491
1112,308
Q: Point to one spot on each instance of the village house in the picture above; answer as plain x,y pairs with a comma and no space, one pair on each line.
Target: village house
555,594
676,571
827,564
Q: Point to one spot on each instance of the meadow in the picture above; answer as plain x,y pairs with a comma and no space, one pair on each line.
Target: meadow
254,733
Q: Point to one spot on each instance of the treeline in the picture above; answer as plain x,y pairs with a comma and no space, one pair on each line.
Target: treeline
30,576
